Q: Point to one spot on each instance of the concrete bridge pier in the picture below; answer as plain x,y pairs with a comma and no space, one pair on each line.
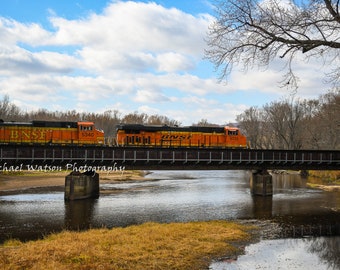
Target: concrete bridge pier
261,183
81,186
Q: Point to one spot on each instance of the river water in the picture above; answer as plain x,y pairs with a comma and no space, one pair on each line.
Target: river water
306,216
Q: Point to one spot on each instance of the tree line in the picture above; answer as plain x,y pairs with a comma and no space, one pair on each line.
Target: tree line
105,121
294,124
287,124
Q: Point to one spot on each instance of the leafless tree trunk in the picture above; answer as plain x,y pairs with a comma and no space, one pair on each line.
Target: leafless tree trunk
251,124
329,121
311,126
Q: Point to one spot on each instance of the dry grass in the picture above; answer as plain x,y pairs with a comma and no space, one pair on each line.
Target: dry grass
330,177
148,246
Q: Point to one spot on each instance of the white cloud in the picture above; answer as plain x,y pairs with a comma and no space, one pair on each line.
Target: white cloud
15,61
146,96
132,26
12,32
172,62
149,110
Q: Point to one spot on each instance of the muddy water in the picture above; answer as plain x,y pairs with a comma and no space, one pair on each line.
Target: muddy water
176,196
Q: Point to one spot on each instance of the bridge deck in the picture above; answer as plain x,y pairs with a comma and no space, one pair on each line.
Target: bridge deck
166,158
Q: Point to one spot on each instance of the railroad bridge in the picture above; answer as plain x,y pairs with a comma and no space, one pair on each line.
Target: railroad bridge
104,158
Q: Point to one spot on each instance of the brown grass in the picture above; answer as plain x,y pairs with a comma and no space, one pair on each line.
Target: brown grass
327,176
148,246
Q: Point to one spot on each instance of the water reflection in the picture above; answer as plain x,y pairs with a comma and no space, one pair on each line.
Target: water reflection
288,182
327,250
262,207
79,215
169,196
307,253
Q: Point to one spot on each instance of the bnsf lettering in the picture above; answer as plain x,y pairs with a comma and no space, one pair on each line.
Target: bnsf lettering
34,134
177,137
14,134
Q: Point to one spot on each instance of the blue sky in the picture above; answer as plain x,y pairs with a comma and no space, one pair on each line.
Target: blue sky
130,56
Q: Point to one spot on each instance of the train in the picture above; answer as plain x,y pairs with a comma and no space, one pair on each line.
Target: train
127,135
50,132
173,136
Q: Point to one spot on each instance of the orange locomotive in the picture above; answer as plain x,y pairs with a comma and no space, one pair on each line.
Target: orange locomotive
50,132
192,136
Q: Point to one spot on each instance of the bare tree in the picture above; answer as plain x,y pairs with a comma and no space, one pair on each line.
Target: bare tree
156,119
9,111
284,119
329,121
251,122
311,124
204,123
135,118
254,33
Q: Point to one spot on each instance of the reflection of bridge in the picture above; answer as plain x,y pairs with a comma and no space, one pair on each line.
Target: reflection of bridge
168,158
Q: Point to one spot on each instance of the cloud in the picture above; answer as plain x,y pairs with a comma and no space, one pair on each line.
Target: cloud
12,32
132,26
146,96
131,56
17,61
135,36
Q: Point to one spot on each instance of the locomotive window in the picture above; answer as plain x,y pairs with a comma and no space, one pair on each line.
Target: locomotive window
85,128
233,132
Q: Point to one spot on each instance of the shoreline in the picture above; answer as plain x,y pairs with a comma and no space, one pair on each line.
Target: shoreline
313,180
25,181
14,183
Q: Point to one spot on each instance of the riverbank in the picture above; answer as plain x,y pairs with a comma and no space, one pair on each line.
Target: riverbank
325,180
330,180
24,181
191,245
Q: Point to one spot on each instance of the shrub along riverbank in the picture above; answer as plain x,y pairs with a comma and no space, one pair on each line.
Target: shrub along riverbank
330,177
190,245
325,180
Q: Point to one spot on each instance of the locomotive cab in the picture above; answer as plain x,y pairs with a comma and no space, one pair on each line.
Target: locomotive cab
88,134
234,138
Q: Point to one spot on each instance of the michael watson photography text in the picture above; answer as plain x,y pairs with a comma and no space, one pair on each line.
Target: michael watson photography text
74,167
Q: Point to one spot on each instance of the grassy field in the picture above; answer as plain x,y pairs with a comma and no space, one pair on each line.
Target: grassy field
190,245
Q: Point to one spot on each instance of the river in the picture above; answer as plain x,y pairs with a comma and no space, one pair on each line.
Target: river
181,196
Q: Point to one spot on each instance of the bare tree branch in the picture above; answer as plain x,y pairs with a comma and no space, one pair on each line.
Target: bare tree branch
251,33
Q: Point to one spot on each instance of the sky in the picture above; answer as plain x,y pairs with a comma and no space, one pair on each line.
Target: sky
131,56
